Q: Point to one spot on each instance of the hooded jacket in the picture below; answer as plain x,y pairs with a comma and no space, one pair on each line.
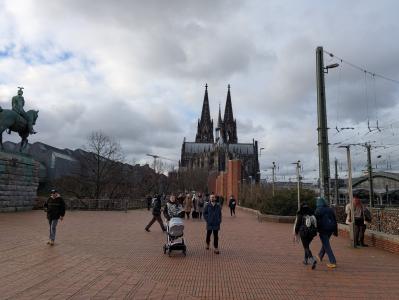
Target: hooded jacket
326,220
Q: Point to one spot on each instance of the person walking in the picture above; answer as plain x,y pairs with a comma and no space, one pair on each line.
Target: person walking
326,226
149,200
55,207
201,203
195,206
232,205
156,214
306,228
188,204
213,217
360,226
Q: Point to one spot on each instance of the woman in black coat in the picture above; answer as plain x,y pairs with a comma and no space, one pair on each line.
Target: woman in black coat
306,231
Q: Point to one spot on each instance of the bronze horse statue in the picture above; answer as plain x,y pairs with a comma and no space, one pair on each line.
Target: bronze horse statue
11,120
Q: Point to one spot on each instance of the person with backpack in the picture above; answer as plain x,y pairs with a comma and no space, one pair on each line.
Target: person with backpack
326,226
232,205
306,227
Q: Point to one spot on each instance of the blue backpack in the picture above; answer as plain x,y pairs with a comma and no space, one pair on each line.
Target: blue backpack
328,222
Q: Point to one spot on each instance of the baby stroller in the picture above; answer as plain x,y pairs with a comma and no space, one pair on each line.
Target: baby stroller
174,236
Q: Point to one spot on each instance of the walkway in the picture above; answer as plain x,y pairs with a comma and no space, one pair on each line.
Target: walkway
103,255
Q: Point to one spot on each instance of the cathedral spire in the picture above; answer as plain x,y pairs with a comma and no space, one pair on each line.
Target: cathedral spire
205,114
205,124
220,122
229,123
228,110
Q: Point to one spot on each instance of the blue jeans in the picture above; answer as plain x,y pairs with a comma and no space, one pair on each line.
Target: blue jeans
53,228
326,247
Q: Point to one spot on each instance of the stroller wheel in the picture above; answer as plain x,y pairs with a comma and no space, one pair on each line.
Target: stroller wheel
164,249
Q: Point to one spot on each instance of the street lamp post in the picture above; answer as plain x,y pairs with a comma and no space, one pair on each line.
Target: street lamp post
298,167
324,161
273,168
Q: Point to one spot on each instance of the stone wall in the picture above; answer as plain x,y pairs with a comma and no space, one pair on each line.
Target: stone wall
384,220
19,179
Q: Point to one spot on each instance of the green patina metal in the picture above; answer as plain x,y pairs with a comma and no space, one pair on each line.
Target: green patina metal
18,120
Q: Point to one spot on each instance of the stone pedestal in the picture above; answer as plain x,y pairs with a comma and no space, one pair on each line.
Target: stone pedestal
19,179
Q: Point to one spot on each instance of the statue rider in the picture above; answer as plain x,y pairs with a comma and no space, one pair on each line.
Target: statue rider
18,103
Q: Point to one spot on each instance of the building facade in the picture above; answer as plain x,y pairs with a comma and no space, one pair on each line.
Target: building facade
212,152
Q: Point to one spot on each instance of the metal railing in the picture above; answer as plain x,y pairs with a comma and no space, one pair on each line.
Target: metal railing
105,204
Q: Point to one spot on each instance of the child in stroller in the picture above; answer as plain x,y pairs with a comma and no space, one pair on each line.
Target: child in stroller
175,227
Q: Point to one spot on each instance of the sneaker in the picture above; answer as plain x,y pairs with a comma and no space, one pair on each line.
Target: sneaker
52,243
331,266
146,229
48,242
216,251
314,264
364,245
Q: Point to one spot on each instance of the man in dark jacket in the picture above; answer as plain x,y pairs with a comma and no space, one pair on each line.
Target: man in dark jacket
213,217
149,200
232,205
156,213
55,207
326,226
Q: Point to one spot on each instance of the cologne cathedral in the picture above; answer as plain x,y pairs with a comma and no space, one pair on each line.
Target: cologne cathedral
212,151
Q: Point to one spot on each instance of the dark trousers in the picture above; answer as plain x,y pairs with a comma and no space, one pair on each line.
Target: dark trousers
188,214
306,246
215,237
156,218
232,210
326,247
200,215
359,233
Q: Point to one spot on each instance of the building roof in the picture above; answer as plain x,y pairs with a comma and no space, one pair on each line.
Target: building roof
192,147
242,148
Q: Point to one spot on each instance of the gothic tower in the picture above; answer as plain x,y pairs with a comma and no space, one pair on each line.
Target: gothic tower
205,124
229,123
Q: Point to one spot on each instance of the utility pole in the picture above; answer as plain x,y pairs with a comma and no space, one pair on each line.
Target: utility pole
298,167
324,161
336,181
370,173
273,168
350,194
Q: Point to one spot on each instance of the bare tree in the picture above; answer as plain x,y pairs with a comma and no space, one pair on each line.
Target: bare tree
103,163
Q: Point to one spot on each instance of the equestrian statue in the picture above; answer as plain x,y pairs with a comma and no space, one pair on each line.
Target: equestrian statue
18,120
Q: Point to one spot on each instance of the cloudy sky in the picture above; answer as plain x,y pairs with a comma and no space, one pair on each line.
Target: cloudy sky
136,70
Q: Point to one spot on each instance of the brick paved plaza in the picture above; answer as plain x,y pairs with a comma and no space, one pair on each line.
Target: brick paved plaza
103,255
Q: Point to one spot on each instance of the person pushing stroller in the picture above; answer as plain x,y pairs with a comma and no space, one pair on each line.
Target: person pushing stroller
174,213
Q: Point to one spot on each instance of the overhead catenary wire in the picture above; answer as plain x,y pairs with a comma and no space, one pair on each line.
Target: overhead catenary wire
361,69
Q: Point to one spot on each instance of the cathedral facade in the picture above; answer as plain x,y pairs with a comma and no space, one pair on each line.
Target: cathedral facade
212,151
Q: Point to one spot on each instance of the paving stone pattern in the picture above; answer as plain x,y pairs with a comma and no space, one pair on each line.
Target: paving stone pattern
108,255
